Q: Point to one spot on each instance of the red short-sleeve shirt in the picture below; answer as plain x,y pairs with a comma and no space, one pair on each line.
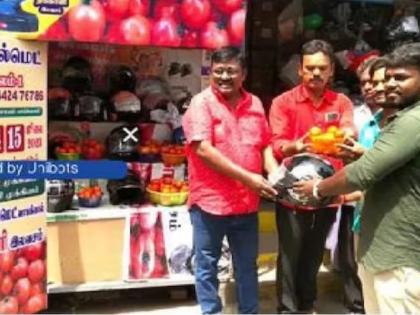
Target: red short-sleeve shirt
240,134
293,113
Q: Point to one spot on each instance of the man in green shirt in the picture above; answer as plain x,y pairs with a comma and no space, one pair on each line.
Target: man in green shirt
389,248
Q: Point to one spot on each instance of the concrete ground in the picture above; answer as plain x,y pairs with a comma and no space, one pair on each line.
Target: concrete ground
181,300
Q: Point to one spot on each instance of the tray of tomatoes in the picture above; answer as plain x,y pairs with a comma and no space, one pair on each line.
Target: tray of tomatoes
90,197
167,191
68,150
173,154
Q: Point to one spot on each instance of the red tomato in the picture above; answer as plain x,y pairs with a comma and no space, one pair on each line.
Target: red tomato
57,31
36,288
20,269
213,38
165,32
6,285
113,34
228,6
116,9
36,271
141,7
35,304
136,30
7,261
170,6
22,290
195,13
86,22
9,305
190,39
35,251
236,26
218,17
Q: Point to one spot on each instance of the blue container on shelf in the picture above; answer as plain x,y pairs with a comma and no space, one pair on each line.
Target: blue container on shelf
90,202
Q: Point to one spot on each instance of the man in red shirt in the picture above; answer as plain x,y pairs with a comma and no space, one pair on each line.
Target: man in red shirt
228,144
302,233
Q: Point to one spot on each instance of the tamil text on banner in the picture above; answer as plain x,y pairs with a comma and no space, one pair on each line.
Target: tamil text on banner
23,79
206,24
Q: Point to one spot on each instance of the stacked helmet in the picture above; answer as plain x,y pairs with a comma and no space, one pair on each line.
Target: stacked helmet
77,75
60,195
126,106
121,78
122,143
127,191
90,107
59,104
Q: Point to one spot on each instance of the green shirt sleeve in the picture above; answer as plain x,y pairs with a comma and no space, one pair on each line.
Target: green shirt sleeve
398,144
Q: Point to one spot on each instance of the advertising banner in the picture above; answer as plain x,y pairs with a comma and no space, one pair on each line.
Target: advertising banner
206,24
161,245
147,258
23,128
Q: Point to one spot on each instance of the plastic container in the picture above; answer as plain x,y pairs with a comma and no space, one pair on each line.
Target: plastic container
173,159
90,202
168,199
68,156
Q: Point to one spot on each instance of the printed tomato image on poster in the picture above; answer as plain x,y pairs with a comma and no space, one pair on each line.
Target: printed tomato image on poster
23,279
147,257
163,23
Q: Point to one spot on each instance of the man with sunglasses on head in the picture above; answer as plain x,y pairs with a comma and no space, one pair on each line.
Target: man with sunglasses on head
228,145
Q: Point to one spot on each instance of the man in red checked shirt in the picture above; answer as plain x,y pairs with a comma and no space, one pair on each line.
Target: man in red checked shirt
228,144
302,233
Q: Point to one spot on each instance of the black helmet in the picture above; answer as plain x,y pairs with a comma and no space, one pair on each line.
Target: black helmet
60,194
90,107
301,167
122,143
127,191
59,104
77,75
121,78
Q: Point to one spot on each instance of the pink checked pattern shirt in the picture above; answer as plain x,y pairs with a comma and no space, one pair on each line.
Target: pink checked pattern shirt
240,134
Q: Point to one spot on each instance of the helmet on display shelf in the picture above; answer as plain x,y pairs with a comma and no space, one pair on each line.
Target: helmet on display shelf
179,260
122,143
77,75
126,106
296,168
127,191
89,107
59,194
121,78
59,104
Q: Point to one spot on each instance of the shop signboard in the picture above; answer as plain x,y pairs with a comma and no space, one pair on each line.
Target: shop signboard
23,128
205,24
